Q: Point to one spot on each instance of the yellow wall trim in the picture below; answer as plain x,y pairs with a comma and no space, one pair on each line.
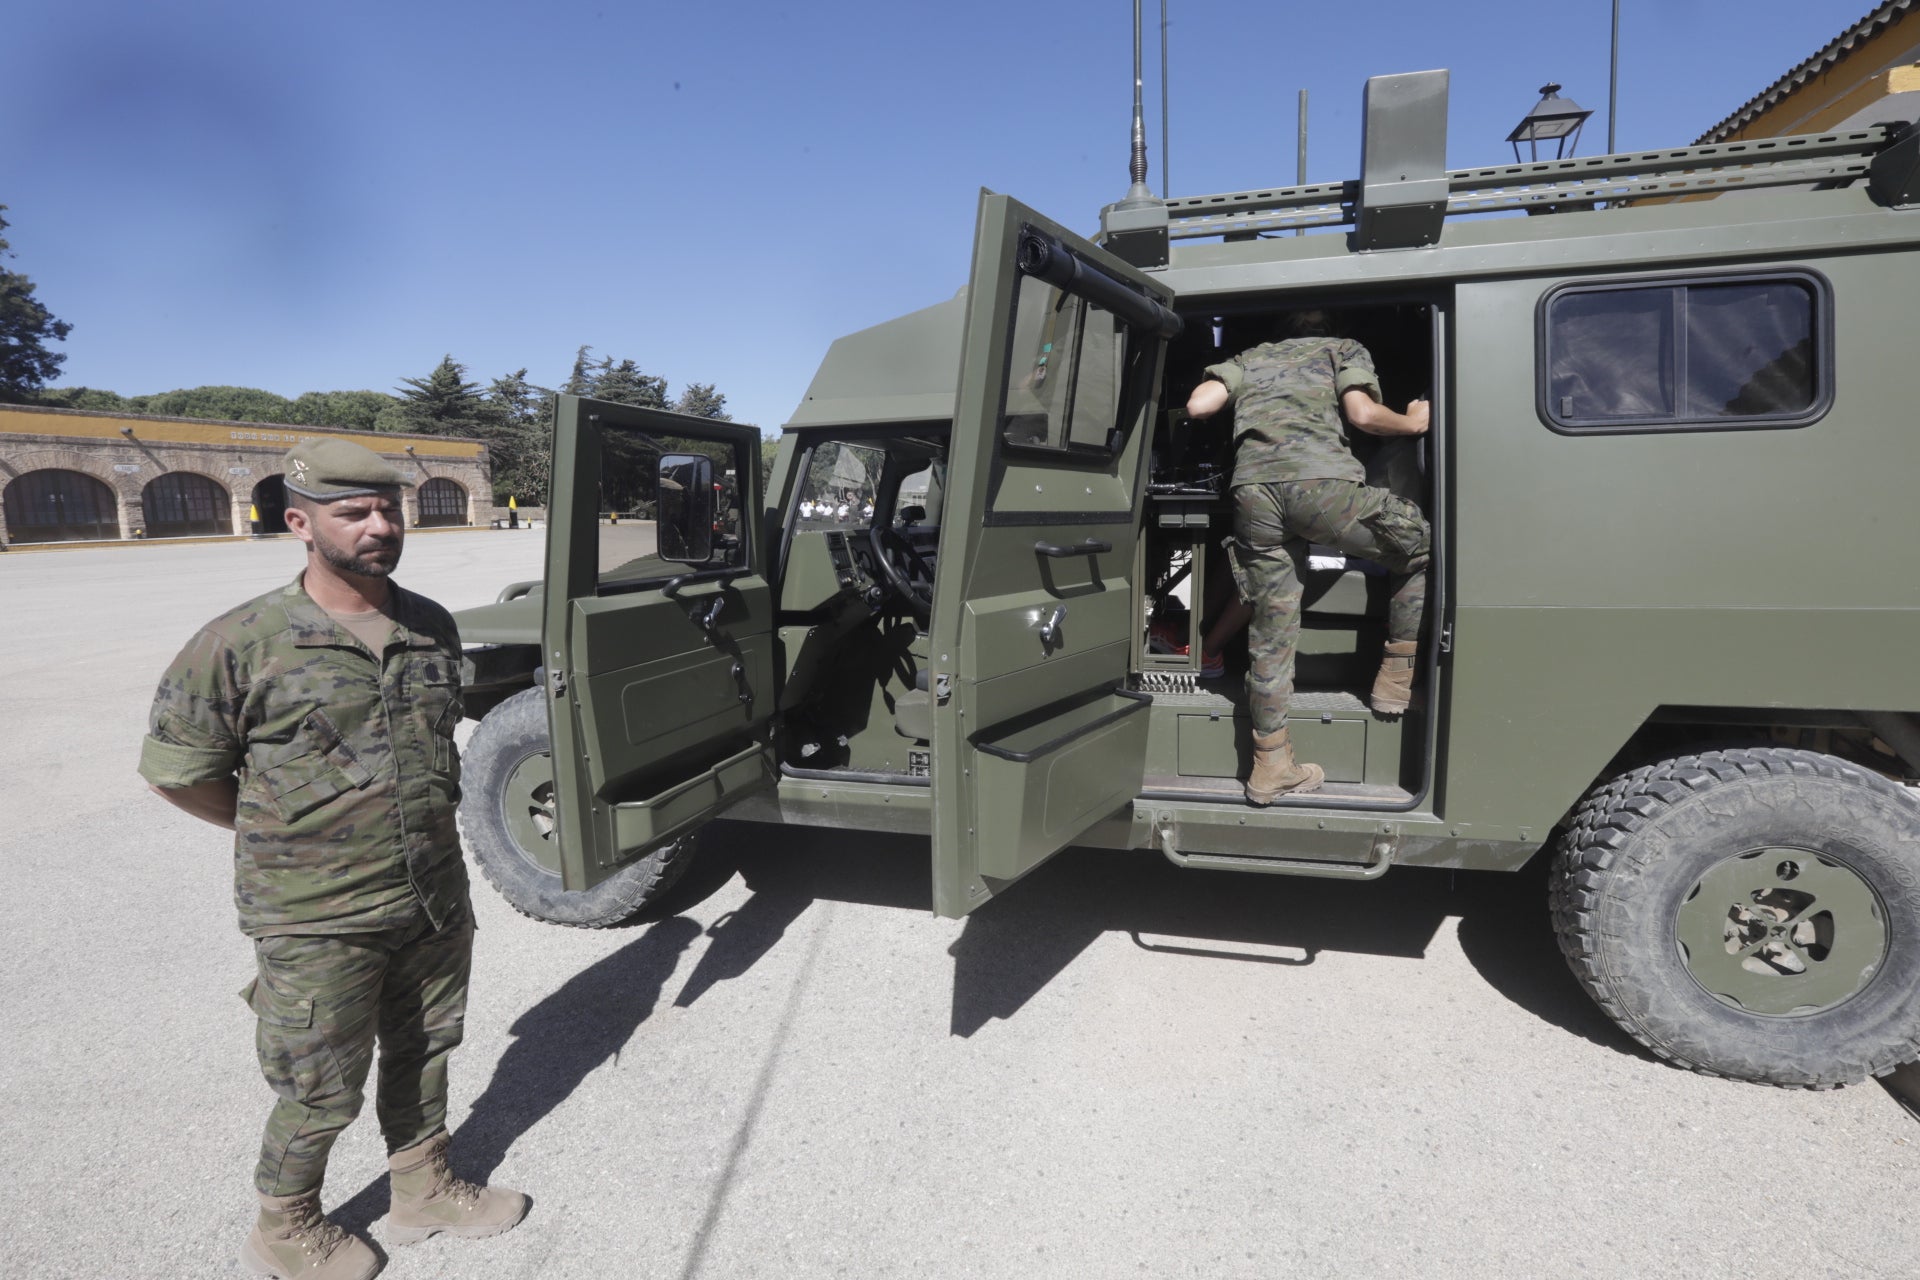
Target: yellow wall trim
83,425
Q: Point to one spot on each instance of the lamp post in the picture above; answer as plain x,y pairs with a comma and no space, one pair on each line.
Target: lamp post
1553,119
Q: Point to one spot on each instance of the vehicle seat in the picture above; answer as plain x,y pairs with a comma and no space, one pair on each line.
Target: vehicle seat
913,710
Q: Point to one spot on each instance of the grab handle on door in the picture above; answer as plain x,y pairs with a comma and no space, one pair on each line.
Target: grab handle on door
1091,547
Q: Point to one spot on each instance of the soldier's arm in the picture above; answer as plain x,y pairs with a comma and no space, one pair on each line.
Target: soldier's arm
1209,398
192,752
1374,418
213,802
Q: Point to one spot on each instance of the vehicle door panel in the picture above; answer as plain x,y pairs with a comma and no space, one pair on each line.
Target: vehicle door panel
1036,737
660,675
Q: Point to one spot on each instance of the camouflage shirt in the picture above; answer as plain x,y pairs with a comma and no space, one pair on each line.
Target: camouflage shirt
1285,395
347,771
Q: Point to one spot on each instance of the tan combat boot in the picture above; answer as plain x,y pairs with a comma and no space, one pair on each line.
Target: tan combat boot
428,1199
293,1240
1393,687
1274,771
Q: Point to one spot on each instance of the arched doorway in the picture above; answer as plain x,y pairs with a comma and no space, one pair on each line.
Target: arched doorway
60,506
181,504
442,502
270,500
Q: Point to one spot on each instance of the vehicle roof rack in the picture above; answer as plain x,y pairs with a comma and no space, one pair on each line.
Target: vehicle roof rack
1556,184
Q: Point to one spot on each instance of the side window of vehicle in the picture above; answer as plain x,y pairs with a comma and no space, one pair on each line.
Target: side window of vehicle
630,506
1066,374
1714,353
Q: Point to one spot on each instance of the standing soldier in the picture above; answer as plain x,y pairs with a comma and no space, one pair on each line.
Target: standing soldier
1296,482
316,722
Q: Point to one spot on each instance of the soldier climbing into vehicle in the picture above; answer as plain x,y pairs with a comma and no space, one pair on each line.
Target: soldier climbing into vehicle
1296,481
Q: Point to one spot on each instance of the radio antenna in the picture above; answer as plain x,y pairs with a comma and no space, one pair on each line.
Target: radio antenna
1139,193
1166,153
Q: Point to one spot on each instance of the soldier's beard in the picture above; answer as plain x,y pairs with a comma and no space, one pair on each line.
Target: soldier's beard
347,562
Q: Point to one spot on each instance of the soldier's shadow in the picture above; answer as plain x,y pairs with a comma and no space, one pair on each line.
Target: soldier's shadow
557,1043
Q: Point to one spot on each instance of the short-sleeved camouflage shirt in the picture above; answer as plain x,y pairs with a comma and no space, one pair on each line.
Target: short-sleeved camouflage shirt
1285,395
348,774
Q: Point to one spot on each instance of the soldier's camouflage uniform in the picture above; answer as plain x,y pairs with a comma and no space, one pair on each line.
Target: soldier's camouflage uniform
1296,482
347,867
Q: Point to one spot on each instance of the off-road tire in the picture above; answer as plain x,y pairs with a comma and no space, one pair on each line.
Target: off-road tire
510,735
1638,845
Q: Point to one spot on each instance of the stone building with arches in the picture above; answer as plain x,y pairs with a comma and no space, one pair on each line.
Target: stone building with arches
69,475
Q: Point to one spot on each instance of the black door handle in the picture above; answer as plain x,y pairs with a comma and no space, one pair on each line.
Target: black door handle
1092,546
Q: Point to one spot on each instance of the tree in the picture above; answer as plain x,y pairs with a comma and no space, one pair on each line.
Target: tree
222,404
517,420
358,410
702,401
580,381
86,398
443,403
623,383
26,326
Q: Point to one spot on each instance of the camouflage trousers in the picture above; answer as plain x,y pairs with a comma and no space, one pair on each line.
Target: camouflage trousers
323,1001
1272,527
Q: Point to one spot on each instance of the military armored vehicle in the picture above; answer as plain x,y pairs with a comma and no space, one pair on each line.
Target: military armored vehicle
1670,641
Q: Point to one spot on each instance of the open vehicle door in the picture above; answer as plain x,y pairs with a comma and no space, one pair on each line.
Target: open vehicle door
1035,737
657,634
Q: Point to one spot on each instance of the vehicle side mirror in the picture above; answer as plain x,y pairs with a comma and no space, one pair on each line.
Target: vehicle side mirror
912,515
685,520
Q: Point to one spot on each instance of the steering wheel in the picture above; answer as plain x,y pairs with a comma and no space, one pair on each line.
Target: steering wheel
907,573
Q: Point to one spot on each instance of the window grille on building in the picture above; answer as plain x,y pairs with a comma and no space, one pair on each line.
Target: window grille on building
182,504
60,506
442,502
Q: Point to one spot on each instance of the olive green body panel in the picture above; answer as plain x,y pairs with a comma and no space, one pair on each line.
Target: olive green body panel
504,622
899,371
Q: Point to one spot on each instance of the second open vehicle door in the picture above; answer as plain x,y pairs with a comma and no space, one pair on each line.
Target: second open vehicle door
1035,736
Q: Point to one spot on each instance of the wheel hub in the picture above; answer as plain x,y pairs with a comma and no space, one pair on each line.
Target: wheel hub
1782,932
527,805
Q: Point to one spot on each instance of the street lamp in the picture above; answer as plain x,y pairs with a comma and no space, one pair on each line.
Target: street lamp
1553,119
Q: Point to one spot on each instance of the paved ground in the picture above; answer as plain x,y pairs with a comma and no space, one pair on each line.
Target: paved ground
795,1071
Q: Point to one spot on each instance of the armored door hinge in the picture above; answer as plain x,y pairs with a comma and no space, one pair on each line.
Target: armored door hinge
556,679
942,688
1446,638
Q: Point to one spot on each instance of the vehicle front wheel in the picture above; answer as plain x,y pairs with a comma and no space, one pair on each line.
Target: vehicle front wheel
1750,913
507,821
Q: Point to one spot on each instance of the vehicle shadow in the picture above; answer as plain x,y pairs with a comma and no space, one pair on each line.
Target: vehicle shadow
1007,951
1011,948
557,1043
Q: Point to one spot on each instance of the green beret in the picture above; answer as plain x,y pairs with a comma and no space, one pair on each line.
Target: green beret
326,468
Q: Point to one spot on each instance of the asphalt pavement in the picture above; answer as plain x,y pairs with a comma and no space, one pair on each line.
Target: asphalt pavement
791,1069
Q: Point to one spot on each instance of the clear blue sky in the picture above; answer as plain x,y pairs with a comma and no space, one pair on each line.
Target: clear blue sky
330,196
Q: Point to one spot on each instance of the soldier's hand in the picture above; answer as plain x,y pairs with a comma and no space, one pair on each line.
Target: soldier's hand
1418,414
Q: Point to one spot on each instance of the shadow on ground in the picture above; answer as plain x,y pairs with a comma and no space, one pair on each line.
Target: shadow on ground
557,1043
1010,949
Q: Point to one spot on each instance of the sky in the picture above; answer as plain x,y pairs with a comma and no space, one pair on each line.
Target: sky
334,196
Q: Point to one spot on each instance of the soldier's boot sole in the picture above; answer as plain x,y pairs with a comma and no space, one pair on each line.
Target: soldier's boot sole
403,1235
260,1264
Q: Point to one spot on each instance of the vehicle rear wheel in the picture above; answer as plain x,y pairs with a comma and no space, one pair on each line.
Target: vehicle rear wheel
1751,913
507,817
